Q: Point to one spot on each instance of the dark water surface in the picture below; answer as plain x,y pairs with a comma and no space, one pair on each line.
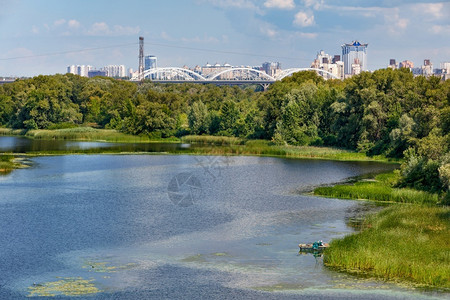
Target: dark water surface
177,227
26,145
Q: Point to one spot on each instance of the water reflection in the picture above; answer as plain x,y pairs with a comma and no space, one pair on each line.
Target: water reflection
25,145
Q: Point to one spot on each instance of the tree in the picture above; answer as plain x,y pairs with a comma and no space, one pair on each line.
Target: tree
198,118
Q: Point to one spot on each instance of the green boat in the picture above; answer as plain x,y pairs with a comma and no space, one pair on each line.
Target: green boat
313,247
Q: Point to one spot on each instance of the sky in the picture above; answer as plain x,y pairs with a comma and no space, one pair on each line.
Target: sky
45,36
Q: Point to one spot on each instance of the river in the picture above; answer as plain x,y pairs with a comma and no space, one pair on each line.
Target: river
177,226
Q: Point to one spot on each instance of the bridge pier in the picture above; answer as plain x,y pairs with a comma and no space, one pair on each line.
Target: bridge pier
265,86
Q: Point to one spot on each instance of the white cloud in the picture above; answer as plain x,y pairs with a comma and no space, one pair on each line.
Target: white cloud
434,10
440,29
125,30
102,29
233,3
395,24
304,19
34,29
270,32
59,22
281,4
197,39
402,23
166,36
316,4
73,24
308,35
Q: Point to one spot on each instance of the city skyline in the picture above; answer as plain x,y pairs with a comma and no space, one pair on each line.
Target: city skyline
239,32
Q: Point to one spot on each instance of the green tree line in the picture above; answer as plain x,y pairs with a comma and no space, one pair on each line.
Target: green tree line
388,112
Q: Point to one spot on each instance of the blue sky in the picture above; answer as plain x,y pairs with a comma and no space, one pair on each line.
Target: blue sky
194,32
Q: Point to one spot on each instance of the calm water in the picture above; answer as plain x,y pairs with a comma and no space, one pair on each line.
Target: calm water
25,145
144,227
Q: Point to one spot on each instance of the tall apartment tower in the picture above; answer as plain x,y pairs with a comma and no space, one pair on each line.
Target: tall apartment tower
150,62
354,56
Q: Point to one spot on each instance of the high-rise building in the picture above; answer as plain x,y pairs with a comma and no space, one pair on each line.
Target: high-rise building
392,64
354,56
150,62
336,58
81,70
328,63
427,68
94,73
115,71
271,68
407,64
72,69
445,66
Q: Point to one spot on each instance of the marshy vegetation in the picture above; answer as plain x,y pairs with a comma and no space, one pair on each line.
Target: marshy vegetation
407,241
402,242
84,134
383,187
235,146
6,164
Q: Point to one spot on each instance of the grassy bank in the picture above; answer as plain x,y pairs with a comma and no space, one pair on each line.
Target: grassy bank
9,163
401,243
206,145
379,188
235,146
84,134
6,164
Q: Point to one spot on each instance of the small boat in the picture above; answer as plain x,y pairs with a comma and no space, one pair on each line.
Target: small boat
314,247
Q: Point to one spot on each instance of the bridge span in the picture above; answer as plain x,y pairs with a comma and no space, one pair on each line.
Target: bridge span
229,76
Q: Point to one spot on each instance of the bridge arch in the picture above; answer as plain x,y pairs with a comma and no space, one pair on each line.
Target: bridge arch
170,73
289,72
251,73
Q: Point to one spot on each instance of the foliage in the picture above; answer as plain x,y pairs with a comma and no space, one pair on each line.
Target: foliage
385,112
419,233
382,188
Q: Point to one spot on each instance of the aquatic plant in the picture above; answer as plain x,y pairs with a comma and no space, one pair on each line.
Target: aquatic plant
71,286
379,189
406,243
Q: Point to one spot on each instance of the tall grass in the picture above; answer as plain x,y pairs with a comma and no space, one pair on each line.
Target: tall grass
212,140
399,243
213,145
380,189
6,164
84,134
218,145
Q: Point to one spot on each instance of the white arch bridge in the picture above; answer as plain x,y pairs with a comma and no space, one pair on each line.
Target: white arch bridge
224,76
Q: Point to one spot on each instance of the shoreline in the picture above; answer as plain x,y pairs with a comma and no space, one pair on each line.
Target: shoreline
199,145
413,224
264,149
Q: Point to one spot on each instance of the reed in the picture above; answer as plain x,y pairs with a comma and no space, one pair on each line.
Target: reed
84,134
212,140
230,145
379,189
6,164
401,243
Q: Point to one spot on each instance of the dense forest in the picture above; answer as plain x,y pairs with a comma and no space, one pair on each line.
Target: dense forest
387,112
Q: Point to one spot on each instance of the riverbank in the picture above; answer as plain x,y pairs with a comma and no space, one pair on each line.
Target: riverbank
402,243
378,188
84,134
9,162
407,242
199,145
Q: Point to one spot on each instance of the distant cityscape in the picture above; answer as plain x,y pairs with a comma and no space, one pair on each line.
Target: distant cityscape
352,61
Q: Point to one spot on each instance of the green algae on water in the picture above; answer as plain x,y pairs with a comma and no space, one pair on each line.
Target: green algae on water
70,286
